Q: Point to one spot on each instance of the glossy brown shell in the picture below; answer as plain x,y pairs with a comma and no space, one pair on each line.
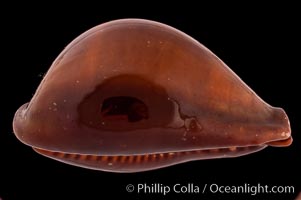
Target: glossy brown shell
175,94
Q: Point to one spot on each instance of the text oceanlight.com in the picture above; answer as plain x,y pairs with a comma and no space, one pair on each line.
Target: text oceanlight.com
214,188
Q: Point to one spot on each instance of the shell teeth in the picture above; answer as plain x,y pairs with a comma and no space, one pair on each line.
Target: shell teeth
104,158
232,148
131,159
214,150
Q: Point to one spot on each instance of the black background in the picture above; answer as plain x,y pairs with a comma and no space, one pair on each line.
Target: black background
259,43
